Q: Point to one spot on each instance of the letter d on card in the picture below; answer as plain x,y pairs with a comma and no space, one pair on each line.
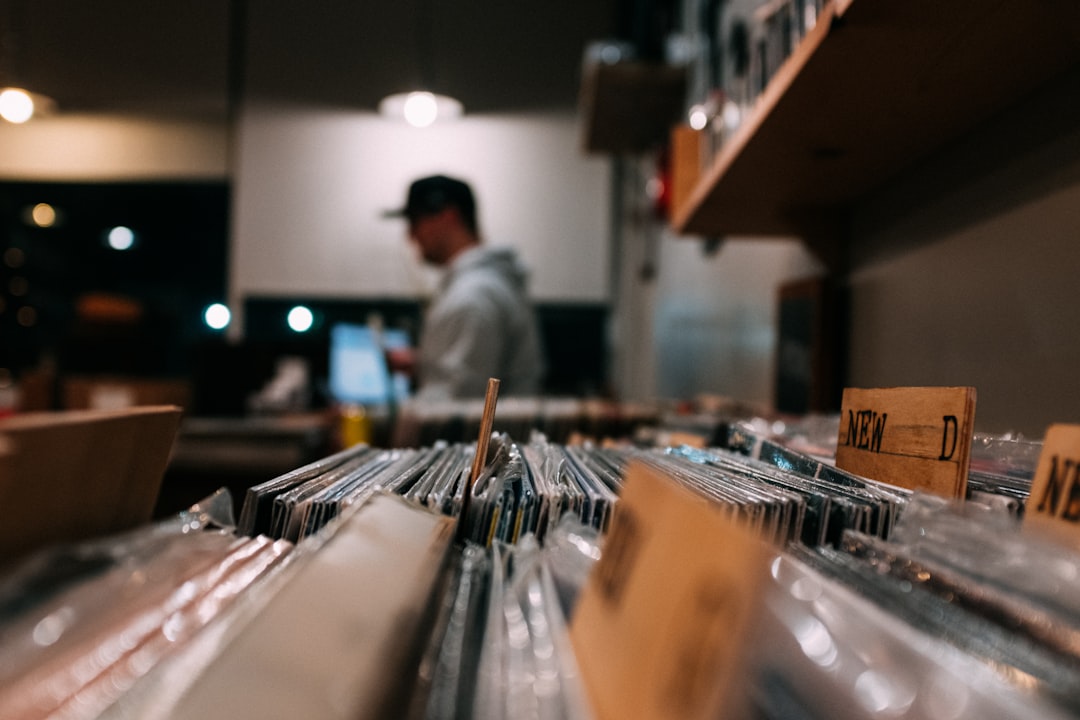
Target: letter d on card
913,437
661,627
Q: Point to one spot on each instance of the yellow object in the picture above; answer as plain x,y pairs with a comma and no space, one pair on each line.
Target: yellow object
355,426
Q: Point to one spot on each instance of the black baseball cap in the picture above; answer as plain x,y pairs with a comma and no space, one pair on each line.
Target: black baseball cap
435,193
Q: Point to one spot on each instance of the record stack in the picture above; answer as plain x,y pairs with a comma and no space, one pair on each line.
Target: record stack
560,419
366,585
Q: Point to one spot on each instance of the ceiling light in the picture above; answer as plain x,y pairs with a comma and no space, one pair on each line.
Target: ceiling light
420,109
18,105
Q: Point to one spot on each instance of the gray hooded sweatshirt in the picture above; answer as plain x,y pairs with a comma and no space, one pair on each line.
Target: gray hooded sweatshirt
480,325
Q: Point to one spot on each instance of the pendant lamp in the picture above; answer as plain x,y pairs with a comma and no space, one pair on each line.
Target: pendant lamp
422,106
17,104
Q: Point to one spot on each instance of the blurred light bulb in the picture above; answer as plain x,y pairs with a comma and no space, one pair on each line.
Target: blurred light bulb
16,105
420,109
26,316
14,257
43,215
698,117
732,116
121,238
300,319
217,316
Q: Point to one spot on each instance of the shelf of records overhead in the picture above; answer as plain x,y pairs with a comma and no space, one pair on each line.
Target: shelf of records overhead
874,601
871,89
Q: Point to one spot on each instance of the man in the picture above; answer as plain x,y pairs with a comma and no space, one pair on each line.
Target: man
480,323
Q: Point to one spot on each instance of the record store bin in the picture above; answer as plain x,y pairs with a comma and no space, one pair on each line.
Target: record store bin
746,578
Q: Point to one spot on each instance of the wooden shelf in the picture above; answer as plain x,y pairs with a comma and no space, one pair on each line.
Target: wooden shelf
874,87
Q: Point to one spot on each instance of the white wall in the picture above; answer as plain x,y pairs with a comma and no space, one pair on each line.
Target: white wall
311,186
688,322
717,315
965,271
994,304
104,148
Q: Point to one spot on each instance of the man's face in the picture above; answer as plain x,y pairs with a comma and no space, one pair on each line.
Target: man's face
429,233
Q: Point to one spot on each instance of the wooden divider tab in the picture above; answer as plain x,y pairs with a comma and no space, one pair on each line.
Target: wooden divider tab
663,623
1055,490
913,437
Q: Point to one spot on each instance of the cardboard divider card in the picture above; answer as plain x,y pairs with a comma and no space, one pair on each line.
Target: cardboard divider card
662,623
1055,489
80,474
913,437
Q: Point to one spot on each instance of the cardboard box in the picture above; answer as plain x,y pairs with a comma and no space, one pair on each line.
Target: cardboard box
76,475
114,392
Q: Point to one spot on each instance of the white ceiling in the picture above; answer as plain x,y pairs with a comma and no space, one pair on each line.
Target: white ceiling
187,58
